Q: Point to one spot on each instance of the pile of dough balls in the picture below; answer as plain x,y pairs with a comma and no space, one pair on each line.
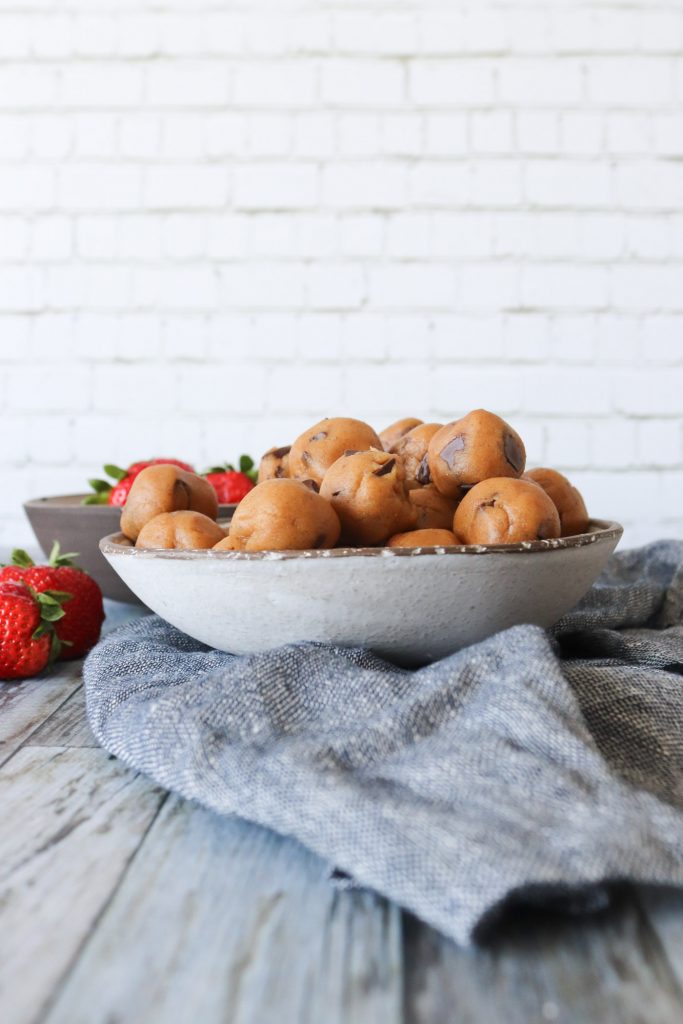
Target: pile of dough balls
414,484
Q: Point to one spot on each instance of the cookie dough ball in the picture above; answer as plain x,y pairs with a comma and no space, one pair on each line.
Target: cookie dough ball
392,434
565,497
475,448
506,511
316,449
274,464
368,492
181,530
283,515
227,544
412,448
434,510
423,539
165,488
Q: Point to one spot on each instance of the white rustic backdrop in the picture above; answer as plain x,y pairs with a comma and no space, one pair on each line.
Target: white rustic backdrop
220,221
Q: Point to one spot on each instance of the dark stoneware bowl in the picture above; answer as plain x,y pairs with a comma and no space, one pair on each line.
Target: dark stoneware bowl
80,528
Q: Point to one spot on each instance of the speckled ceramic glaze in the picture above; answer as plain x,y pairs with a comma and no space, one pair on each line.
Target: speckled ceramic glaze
409,604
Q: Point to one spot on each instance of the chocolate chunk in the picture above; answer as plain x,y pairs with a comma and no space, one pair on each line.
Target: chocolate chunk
487,504
386,468
181,494
449,453
320,436
280,453
423,475
311,484
513,452
335,494
279,472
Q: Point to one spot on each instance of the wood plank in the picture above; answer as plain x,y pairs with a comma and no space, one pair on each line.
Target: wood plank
663,909
25,705
605,967
67,727
71,821
218,920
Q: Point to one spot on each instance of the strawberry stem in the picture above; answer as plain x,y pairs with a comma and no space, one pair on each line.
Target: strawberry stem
57,559
100,486
22,558
115,471
50,605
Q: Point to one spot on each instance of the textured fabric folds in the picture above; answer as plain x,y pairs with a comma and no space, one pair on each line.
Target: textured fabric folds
530,766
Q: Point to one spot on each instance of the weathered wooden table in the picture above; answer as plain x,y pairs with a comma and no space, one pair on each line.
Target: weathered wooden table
122,904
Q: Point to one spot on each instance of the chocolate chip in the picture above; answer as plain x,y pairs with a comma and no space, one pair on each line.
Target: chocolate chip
449,453
351,451
280,453
487,504
279,472
423,475
335,494
181,494
311,484
514,453
320,436
386,468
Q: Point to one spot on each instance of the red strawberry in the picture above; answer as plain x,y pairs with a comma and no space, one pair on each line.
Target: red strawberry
137,467
107,493
27,636
118,495
80,626
230,484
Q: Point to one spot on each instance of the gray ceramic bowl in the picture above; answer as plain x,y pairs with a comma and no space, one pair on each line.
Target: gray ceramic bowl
409,604
80,528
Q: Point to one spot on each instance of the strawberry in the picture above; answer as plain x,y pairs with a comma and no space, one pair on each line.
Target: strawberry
27,637
118,495
137,467
79,628
107,493
230,484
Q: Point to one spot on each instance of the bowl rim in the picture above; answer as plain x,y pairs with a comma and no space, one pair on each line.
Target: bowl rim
600,530
64,502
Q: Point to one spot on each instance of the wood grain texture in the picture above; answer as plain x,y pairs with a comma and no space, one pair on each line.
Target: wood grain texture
25,705
606,967
71,820
218,920
67,727
113,913
663,909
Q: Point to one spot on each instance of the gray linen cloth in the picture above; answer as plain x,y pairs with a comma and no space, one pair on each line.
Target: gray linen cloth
530,766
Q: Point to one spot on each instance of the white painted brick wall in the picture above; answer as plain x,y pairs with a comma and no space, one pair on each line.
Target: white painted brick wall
221,219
